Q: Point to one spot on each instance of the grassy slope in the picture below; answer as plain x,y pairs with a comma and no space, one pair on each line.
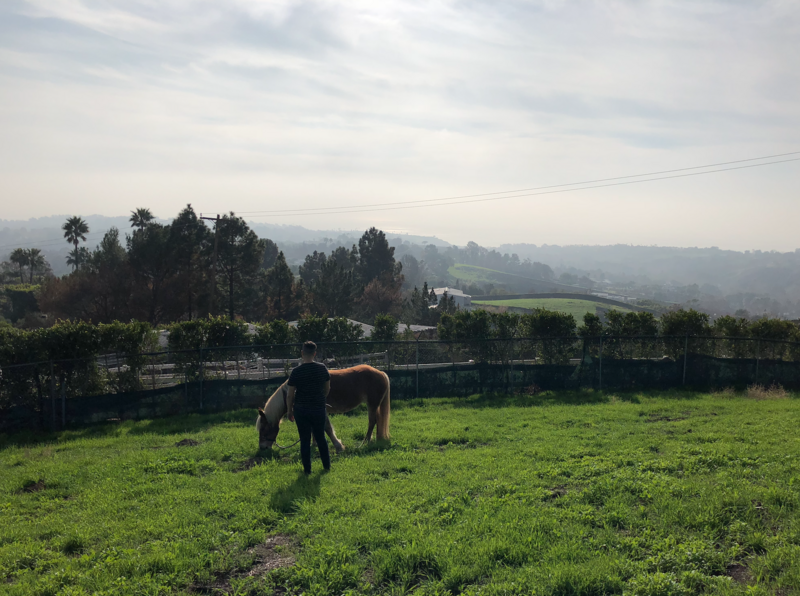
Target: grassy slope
482,275
577,308
571,494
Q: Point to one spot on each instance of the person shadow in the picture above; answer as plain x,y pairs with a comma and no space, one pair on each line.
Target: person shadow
303,488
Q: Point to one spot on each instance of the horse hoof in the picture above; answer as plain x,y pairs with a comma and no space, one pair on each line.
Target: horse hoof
339,448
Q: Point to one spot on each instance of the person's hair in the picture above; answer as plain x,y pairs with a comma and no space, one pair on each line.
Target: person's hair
309,347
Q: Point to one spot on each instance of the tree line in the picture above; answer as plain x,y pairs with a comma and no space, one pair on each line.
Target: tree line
186,269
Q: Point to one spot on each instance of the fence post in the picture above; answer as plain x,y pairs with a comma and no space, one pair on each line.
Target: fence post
600,388
202,374
685,356
53,394
417,391
758,357
511,364
63,402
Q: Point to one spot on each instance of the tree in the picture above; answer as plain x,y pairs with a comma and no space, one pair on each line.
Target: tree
75,230
332,293
556,330
141,217
270,254
376,257
239,257
36,262
152,263
77,256
192,245
279,282
312,266
414,271
385,328
19,257
381,297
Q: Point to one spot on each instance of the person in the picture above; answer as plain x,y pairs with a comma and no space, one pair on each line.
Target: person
309,385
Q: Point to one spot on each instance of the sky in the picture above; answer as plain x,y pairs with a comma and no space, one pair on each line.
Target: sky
266,106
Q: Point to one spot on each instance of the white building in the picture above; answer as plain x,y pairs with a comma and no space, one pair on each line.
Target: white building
461,299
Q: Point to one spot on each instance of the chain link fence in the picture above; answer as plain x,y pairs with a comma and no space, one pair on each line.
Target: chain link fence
63,393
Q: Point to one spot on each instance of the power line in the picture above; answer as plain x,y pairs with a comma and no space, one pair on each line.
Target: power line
488,194
379,207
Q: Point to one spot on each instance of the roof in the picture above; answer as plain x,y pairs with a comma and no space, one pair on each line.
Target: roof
450,292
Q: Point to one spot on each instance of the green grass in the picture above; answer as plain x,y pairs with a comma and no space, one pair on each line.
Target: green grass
576,308
482,275
664,494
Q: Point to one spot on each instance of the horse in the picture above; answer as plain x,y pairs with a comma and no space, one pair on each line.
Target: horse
350,387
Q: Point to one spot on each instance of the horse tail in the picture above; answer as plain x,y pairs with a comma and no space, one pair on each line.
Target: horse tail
384,412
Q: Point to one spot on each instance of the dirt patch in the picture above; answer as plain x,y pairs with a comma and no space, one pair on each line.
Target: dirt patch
249,464
33,487
660,418
558,491
269,556
739,573
187,443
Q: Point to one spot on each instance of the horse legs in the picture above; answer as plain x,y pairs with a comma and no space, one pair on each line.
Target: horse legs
373,420
337,444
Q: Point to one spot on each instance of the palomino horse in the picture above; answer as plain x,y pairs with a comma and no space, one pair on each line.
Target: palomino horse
350,387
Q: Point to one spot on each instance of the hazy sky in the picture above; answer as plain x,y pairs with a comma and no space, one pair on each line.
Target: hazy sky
268,105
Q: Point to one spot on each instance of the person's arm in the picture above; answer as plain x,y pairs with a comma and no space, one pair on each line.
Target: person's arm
290,403
326,388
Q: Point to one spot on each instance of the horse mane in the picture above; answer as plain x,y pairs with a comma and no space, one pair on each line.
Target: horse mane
274,408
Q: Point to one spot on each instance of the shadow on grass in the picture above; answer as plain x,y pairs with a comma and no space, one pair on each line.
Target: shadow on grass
358,450
180,424
304,488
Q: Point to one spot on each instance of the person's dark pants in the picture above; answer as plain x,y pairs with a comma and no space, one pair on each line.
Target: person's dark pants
312,422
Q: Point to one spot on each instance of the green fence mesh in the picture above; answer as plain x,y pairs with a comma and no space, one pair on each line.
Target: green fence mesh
54,395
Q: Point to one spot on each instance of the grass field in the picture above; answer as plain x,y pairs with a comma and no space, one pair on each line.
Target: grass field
577,308
482,275
667,494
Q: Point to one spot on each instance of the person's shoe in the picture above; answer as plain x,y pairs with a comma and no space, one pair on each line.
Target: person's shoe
325,470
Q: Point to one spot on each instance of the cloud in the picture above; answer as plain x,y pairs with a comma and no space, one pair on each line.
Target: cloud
327,101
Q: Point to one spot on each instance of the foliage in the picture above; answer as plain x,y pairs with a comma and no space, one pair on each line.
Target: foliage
418,311
280,290
385,328
490,495
376,258
20,299
684,323
239,259
557,330
380,296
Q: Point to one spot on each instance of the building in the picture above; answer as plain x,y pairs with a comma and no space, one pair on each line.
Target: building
461,299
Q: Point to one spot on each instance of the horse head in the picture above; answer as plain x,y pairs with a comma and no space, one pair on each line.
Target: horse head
269,418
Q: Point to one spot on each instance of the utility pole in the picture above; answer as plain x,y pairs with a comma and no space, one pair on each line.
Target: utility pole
213,281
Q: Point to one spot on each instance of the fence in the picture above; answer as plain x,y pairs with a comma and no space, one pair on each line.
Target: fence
60,393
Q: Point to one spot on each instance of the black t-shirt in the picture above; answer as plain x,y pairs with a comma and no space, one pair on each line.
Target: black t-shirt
309,379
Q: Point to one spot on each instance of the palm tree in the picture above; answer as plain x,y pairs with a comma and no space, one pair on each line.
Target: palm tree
78,256
141,217
35,261
19,256
75,230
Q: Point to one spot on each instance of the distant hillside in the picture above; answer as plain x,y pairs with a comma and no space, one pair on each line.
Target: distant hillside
715,271
512,282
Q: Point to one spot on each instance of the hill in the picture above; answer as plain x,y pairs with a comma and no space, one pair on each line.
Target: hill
512,282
